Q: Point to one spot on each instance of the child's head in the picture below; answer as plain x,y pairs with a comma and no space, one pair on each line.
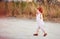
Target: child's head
40,9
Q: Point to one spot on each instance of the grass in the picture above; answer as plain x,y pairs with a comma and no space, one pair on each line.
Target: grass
26,10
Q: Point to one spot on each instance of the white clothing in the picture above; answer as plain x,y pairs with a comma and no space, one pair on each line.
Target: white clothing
39,19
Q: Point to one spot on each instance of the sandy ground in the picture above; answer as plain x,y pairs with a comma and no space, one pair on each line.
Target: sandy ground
12,28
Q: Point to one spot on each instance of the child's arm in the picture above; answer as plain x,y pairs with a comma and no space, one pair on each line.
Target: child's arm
41,17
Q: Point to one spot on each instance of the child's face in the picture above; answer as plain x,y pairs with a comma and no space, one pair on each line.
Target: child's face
38,11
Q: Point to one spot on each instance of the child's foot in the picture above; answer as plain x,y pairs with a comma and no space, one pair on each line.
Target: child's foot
45,34
35,34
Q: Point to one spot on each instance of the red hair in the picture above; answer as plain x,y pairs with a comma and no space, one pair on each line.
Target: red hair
40,9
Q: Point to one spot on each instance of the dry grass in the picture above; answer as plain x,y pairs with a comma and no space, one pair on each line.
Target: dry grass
26,10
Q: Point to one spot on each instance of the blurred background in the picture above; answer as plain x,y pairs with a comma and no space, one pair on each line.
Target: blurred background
17,19
24,9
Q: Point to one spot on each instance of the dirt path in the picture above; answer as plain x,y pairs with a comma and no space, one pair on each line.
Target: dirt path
11,28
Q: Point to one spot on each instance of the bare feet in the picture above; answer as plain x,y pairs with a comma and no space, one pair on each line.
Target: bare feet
45,34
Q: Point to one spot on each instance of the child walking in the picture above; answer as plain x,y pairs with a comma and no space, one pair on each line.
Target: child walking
40,22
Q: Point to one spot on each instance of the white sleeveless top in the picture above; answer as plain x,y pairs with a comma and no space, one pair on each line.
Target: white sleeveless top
39,16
